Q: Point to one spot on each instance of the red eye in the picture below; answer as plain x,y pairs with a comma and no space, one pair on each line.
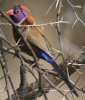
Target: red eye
17,11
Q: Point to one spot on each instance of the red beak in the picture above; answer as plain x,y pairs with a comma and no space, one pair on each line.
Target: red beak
10,12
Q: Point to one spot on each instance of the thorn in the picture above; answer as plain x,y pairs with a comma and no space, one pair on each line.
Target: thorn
18,42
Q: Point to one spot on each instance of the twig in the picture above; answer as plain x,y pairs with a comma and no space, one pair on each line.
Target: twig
5,71
58,25
51,83
41,89
39,25
50,7
3,65
84,7
72,7
58,28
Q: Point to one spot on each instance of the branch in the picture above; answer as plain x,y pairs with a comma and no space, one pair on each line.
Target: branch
36,93
46,80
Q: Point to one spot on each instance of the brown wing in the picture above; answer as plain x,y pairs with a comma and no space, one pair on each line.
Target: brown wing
48,44
36,39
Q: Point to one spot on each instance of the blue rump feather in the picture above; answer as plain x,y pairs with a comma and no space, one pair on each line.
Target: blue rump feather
45,56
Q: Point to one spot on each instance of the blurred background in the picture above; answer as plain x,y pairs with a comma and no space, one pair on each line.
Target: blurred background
72,39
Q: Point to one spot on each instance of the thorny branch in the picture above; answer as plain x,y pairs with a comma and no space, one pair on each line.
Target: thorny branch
48,80
76,15
40,25
59,7
3,65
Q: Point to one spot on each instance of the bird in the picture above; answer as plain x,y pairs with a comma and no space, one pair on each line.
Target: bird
21,15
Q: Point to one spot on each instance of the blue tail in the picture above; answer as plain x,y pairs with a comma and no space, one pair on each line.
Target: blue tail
49,59
42,54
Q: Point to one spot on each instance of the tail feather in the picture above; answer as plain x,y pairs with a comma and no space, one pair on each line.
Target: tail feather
42,54
57,68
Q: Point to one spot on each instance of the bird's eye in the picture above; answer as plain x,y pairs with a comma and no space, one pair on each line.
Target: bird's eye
17,11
